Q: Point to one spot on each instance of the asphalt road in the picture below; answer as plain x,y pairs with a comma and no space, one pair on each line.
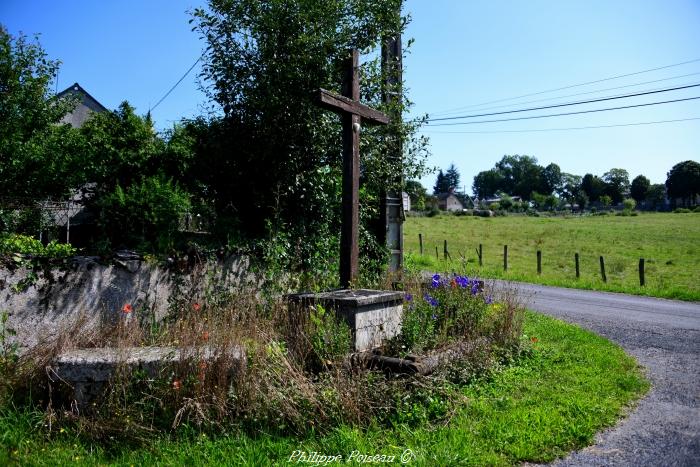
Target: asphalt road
664,336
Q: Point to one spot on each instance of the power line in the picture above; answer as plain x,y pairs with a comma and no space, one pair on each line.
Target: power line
624,96
567,113
176,84
578,93
563,129
578,85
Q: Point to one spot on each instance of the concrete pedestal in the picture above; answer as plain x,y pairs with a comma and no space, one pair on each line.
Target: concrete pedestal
373,315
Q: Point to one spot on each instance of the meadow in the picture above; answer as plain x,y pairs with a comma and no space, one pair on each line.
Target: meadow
668,242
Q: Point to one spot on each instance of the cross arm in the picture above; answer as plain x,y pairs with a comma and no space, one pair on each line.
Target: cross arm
341,104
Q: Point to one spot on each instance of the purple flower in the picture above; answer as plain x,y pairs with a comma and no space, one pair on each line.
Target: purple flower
488,299
475,288
408,297
462,281
431,301
436,281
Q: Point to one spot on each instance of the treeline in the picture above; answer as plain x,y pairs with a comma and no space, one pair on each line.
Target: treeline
522,176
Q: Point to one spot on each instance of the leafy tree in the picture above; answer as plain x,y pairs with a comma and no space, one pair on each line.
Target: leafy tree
487,183
32,160
521,175
551,179
606,200
639,188
617,183
277,155
417,192
593,187
656,195
683,181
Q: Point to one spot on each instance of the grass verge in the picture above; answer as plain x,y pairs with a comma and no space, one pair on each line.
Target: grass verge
572,384
668,242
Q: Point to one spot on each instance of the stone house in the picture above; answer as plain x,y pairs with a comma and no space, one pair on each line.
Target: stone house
87,105
449,202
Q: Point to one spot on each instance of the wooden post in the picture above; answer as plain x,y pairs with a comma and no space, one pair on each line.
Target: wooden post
602,269
539,262
420,243
481,252
437,256
444,251
641,272
578,272
505,257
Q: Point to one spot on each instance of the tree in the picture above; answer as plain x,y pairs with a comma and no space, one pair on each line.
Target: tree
487,183
593,186
639,188
521,175
31,160
277,152
452,177
442,184
551,179
617,183
656,195
683,181
417,192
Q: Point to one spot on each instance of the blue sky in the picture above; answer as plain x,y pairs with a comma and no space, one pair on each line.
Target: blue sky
465,53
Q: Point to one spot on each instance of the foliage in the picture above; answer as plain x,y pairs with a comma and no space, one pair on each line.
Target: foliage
275,154
25,245
147,213
568,378
330,336
593,186
639,188
629,204
417,192
34,159
605,200
683,181
616,184
487,183
656,195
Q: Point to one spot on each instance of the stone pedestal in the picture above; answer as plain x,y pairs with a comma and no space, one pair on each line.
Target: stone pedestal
373,315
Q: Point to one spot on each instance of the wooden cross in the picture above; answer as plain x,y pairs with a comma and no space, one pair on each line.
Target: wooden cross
353,113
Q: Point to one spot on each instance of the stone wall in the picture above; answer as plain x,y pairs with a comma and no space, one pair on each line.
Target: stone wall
92,292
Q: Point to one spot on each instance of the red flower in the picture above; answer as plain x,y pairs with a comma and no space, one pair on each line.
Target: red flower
533,339
177,384
196,306
127,308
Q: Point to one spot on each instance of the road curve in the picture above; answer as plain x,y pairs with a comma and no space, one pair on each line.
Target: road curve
664,336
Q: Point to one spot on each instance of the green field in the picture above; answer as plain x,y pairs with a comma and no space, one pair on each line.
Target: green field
572,385
669,243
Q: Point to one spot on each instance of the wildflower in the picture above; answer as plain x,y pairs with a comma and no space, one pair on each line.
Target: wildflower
177,384
533,339
462,281
408,297
431,301
475,288
196,306
436,281
127,308
488,300
434,317
453,283
205,336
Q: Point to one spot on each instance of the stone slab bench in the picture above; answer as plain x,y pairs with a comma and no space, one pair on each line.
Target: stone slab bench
87,371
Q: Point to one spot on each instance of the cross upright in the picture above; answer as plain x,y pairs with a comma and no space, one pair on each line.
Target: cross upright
353,113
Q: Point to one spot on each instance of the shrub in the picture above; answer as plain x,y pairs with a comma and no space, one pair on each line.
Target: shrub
23,244
146,214
629,204
681,210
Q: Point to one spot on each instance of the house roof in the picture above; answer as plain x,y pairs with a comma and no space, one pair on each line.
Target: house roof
85,107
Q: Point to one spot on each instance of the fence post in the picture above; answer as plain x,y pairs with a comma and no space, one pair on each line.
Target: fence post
539,262
578,271
641,272
481,251
437,256
602,269
505,257
420,243
444,251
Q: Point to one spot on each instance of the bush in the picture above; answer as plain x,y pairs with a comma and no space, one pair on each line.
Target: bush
681,210
145,215
629,204
23,244
433,211
697,209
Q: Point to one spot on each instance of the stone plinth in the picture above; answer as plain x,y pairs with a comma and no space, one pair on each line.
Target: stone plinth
373,315
87,371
